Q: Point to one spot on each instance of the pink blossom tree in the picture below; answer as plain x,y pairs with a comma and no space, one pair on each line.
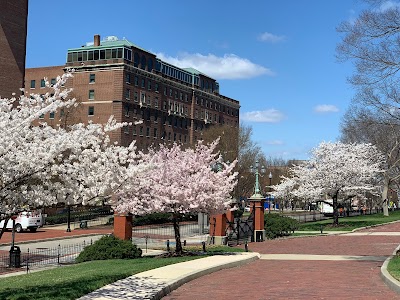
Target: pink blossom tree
180,181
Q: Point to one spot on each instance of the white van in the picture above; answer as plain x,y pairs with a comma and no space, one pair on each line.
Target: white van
25,220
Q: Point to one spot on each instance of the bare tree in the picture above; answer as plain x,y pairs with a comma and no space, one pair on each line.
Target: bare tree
371,43
237,143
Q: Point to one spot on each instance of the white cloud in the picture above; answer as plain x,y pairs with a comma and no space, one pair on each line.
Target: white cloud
230,66
274,142
389,5
271,38
265,116
325,108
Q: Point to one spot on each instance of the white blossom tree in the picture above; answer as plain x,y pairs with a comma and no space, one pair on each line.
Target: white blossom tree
180,181
41,165
336,170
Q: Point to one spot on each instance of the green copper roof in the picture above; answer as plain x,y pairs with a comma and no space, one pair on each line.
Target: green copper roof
109,43
194,71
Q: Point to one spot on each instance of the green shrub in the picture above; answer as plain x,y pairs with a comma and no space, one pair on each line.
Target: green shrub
278,226
109,247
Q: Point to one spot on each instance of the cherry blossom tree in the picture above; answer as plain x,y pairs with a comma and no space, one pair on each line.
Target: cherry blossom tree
41,165
180,181
336,170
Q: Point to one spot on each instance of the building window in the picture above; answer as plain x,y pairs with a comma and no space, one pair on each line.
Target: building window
148,100
180,96
126,129
169,136
155,133
128,78
128,94
141,131
149,85
42,83
33,84
134,129
126,111
92,78
156,102
91,94
53,81
176,95
142,98
165,91
170,92
136,81
41,116
165,105
143,83
51,115
143,62
135,96
148,131
156,87
91,111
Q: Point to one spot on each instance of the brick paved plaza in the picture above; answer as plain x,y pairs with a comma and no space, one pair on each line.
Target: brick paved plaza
357,276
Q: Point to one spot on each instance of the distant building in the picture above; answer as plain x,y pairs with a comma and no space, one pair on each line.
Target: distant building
116,77
13,24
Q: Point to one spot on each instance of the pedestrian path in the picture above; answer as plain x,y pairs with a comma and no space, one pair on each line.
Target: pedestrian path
156,283
338,266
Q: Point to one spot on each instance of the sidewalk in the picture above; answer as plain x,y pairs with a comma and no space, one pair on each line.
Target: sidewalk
157,283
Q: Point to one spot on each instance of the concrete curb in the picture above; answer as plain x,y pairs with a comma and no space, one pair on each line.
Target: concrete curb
197,274
388,279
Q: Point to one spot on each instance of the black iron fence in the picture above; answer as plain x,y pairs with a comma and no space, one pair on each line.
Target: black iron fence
17,260
315,215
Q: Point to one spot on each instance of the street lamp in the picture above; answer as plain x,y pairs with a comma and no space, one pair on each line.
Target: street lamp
255,170
69,219
270,183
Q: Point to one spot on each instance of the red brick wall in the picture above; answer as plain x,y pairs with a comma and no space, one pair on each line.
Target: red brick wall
13,23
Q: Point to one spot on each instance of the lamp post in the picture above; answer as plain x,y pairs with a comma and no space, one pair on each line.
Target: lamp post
257,171
270,183
69,219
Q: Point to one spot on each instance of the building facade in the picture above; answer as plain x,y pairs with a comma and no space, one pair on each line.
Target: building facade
116,77
13,28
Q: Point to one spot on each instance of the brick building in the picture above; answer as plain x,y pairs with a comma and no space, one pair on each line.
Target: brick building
13,26
116,77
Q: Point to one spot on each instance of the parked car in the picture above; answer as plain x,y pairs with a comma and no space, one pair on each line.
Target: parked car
26,220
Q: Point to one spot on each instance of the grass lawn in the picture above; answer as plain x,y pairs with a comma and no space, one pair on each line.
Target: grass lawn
394,267
71,282
350,223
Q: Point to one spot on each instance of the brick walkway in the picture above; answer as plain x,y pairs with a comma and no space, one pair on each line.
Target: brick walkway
303,279
45,233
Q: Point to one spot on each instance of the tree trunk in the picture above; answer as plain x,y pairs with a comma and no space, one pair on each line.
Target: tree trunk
385,197
335,211
178,248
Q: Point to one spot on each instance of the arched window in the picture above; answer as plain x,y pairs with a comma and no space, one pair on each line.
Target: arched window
143,62
136,59
149,65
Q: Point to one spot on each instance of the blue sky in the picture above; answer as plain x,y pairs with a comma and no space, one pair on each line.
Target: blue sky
276,57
